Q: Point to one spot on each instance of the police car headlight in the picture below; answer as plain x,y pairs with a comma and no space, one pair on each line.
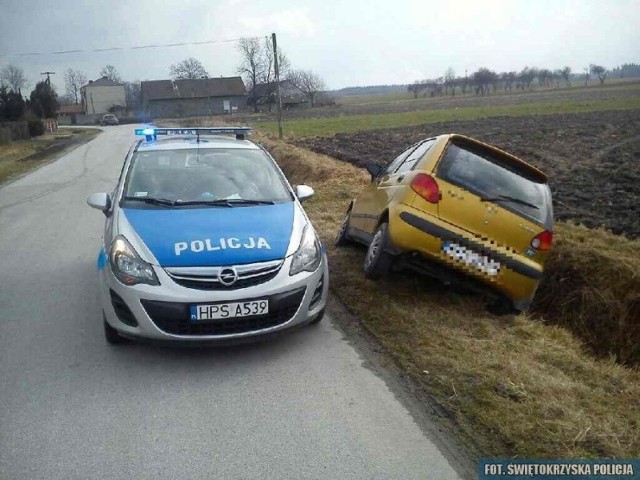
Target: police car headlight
307,257
127,265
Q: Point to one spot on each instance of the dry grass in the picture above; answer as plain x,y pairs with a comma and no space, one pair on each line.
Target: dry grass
14,157
514,385
592,286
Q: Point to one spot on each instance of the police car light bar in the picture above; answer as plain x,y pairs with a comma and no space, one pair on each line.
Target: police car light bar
151,132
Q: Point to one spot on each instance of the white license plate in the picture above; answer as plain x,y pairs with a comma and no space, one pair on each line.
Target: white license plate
220,311
475,260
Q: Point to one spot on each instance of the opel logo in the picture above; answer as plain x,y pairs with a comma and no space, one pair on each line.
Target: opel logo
228,276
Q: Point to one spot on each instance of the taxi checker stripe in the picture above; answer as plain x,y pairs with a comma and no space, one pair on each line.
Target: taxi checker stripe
446,234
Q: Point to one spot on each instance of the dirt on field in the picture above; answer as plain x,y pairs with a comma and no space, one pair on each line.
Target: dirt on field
592,159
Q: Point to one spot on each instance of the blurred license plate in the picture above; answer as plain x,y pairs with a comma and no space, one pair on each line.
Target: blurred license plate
476,260
228,310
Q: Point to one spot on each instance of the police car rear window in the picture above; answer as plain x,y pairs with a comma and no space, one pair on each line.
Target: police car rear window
191,175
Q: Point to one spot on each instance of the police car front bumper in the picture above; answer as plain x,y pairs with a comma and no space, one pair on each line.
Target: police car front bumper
160,313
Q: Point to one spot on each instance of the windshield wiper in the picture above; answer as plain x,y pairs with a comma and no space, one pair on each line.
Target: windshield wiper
242,201
229,202
509,199
154,201
219,203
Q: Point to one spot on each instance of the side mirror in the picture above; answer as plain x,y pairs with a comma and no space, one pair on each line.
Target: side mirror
374,169
304,192
100,201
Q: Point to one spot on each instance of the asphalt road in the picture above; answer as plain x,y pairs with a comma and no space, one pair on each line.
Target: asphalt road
73,407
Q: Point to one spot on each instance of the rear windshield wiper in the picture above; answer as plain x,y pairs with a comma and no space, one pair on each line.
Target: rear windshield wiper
509,199
165,202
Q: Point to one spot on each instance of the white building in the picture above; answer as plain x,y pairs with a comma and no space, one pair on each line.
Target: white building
100,95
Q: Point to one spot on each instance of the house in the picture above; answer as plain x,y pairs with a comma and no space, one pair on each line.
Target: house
68,114
266,97
193,98
100,95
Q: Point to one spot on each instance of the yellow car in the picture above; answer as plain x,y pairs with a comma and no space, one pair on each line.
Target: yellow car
452,205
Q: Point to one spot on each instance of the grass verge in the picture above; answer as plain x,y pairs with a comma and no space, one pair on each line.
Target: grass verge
515,385
18,158
308,127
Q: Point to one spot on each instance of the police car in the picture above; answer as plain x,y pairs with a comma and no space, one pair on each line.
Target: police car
206,241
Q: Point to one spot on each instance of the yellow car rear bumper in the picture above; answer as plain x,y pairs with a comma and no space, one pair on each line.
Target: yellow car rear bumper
412,230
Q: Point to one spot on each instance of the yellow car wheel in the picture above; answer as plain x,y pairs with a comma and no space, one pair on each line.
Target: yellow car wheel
377,260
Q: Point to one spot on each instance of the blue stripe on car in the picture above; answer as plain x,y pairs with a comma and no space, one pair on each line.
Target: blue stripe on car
102,259
185,237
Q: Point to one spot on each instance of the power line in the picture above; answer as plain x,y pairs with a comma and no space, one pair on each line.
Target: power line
111,49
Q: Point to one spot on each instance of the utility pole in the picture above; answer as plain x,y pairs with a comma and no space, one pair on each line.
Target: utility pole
277,72
48,74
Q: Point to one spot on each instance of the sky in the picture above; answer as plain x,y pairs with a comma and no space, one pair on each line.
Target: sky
348,43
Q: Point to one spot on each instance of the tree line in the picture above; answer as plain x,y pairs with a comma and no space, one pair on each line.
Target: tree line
484,81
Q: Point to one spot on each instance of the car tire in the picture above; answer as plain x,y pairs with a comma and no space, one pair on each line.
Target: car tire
377,261
318,318
342,238
502,306
111,335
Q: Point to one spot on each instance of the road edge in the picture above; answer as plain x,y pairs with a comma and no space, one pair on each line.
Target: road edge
432,419
57,155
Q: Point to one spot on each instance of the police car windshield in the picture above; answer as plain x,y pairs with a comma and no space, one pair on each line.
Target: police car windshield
205,177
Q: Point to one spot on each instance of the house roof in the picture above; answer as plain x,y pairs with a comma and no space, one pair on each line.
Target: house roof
288,91
197,88
69,109
102,82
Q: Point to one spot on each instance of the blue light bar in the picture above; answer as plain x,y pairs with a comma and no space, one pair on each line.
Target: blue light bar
145,131
239,132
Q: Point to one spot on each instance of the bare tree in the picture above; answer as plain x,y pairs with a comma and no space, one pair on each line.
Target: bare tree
509,78
252,66
450,81
545,76
133,95
73,81
566,75
307,81
111,73
416,87
525,78
13,76
483,78
599,71
188,69
587,75
268,73
66,99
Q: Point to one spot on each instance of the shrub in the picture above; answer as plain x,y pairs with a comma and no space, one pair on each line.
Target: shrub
36,127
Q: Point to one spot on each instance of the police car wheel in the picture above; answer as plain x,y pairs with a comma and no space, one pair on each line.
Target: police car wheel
343,237
111,335
318,318
377,261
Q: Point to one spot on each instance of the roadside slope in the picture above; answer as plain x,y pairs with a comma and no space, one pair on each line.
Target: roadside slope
513,385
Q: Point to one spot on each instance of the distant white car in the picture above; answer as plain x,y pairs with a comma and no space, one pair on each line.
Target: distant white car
206,241
109,119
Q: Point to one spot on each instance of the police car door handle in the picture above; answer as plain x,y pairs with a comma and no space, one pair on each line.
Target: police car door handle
400,178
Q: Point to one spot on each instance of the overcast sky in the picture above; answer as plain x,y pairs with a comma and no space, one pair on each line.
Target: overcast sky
347,42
